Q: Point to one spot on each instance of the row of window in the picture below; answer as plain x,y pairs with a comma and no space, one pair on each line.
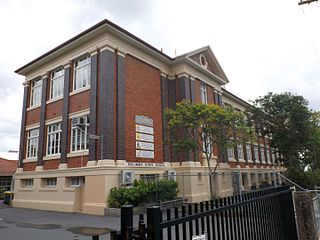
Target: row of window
79,138
240,152
81,79
52,182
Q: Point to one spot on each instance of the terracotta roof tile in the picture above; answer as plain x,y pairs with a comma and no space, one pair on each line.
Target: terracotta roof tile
8,167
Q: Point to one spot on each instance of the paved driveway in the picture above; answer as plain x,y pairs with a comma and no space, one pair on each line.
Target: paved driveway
27,224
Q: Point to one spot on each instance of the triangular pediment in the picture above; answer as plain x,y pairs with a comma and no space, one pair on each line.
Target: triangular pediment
205,58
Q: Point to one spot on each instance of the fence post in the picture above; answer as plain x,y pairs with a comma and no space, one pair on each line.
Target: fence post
126,220
153,223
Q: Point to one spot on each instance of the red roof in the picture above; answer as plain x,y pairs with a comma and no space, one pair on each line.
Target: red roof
8,167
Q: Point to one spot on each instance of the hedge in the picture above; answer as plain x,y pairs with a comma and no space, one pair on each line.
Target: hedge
142,193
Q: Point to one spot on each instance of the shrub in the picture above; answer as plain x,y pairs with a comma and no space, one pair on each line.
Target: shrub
141,193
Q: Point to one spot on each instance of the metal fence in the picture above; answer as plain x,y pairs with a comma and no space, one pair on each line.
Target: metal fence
316,206
261,214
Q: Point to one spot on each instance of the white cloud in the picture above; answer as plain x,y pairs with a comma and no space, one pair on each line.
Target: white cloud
262,45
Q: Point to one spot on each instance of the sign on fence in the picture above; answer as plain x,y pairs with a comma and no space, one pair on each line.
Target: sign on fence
200,237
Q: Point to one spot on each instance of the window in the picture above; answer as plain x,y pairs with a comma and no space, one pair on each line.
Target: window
50,182
54,139
57,79
207,149
35,94
82,73
204,94
262,154
256,153
230,151
199,177
149,177
32,143
76,181
240,151
28,183
248,151
79,134
268,154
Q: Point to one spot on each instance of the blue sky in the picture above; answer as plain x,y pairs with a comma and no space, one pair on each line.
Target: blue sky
262,46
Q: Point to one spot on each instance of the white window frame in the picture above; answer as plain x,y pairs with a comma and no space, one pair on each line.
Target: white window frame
35,92
32,143
54,139
240,150
203,93
268,154
79,134
230,152
57,83
248,151
263,159
28,183
82,73
76,181
256,152
50,182
209,147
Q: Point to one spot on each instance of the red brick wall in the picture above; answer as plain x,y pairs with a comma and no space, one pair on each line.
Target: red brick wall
29,166
142,97
54,109
33,116
197,91
210,94
80,161
51,164
80,101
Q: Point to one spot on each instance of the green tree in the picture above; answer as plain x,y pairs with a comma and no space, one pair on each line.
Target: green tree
203,127
295,132
285,117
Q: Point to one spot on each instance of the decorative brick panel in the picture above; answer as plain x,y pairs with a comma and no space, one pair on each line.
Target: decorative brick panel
75,162
54,109
29,166
79,102
65,109
51,164
106,102
33,116
93,107
121,109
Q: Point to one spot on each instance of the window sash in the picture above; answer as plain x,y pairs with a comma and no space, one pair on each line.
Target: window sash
36,89
256,153
262,154
268,154
82,73
230,153
80,134
204,94
240,151
248,150
54,139
57,82
32,143
29,183
51,182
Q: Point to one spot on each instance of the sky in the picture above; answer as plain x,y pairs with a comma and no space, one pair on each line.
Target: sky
263,46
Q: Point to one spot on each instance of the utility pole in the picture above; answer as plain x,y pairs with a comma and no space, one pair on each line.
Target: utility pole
306,2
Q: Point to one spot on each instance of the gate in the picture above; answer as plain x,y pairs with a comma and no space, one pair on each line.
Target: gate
316,206
262,214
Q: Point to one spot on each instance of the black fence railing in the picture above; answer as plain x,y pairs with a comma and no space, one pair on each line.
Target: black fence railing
265,214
